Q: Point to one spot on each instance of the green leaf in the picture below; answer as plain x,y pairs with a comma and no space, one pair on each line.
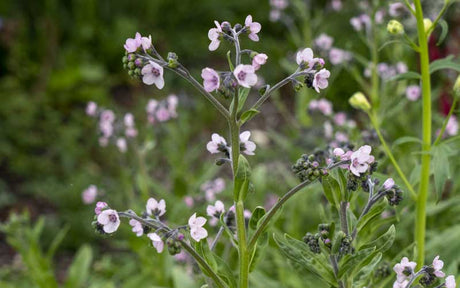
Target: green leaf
367,270
225,272
248,115
242,178
350,261
444,30
305,260
57,241
441,166
262,242
406,139
384,242
203,249
242,96
373,213
445,63
79,270
406,76
257,214
332,191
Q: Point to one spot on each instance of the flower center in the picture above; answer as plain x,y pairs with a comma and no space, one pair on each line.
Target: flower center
113,218
241,75
155,72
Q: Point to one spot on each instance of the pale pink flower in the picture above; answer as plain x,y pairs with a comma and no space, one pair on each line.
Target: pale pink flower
172,105
247,214
254,28
213,187
400,267
452,126
328,129
413,92
275,15
99,207
259,60
214,211
156,242
131,132
211,79
324,42
197,232
401,67
388,184
107,116
356,23
325,106
162,114
341,137
137,227
379,15
304,56
279,4
340,118
437,266
106,128
360,160
189,201
214,36
155,208
217,144
450,282
247,147
151,106
245,75
153,74
122,145
91,109
109,220
402,284
396,9
343,156
89,194
146,42
336,5
128,120
338,56
320,79
132,44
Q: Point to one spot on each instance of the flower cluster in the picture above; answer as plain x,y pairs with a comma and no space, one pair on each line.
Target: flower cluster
316,76
335,55
308,168
162,111
218,144
213,187
386,71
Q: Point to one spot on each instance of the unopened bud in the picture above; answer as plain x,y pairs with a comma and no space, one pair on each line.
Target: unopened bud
427,24
172,60
395,27
359,101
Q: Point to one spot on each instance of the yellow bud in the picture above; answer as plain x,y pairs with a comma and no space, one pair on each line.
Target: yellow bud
395,27
427,24
359,101
457,87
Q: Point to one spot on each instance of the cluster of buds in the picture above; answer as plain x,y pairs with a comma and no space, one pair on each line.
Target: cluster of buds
313,242
307,168
382,271
324,234
133,65
392,192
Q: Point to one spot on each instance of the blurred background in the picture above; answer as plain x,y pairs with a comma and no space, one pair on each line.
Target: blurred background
56,56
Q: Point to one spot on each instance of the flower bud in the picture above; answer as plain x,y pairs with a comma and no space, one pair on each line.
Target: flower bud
395,27
359,101
457,87
427,24
172,60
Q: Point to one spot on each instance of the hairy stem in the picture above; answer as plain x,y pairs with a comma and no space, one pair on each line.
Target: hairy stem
420,224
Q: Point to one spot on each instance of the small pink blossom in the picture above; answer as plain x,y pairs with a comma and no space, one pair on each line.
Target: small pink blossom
361,22
245,75
131,132
89,194
99,207
156,242
340,119
128,120
122,145
254,28
213,187
320,79
91,109
401,67
153,74
259,60
137,227
132,44
437,266
279,4
452,126
217,144
402,284
107,116
328,129
325,106
214,211
388,184
155,208
400,267
396,9
247,147
379,15
214,36
275,15
189,202
361,159
109,220
341,137
304,56
172,101
211,79
413,92
336,5
162,114
197,232
338,56
146,42
450,282
324,42
151,106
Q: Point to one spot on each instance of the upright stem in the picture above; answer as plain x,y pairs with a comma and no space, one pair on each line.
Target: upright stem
420,224
343,217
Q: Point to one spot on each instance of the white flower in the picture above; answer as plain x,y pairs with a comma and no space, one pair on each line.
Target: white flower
109,220
153,74
217,144
450,282
155,208
320,79
137,227
247,147
360,160
146,42
197,232
245,75
304,56
214,36
215,211
254,28
156,241
400,268
388,184
437,266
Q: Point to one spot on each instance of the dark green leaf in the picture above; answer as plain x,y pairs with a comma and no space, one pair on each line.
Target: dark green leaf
406,139
203,249
242,177
257,214
331,190
441,166
375,211
444,30
248,115
406,76
242,96
79,270
350,261
445,63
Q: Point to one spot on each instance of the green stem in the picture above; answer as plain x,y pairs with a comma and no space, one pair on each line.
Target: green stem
444,125
387,149
375,76
420,224
343,217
